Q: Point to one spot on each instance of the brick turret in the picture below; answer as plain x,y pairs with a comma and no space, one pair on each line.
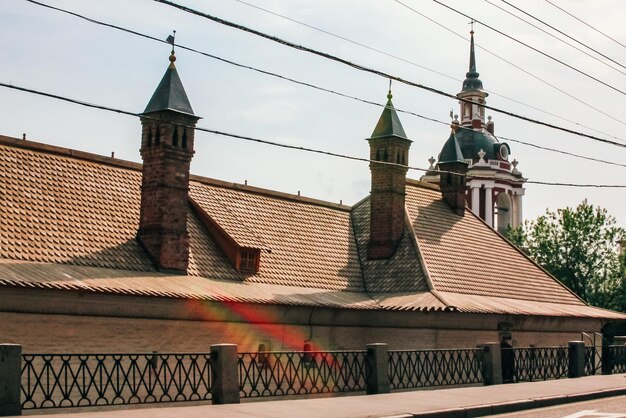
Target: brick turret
452,178
388,143
166,148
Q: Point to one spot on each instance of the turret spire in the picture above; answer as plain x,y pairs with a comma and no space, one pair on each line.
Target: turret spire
472,82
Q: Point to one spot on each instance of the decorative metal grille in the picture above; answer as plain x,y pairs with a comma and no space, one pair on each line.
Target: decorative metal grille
540,363
70,380
615,357
593,361
421,368
279,373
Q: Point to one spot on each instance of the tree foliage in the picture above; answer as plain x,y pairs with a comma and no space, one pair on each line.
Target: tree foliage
580,248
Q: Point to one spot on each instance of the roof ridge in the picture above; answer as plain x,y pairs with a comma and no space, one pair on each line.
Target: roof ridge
67,152
429,282
88,156
268,192
422,184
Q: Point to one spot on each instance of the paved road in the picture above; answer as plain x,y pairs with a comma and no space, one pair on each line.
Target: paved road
608,408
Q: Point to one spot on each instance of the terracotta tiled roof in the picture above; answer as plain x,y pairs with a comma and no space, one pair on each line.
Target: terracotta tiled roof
401,273
465,256
496,305
100,280
303,244
68,221
61,209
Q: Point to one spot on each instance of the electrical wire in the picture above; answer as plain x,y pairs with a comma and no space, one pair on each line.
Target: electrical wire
343,38
560,90
374,71
586,24
318,87
571,67
273,143
562,33
553,35
494,93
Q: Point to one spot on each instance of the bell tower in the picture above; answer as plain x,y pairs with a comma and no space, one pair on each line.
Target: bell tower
473,154
167,141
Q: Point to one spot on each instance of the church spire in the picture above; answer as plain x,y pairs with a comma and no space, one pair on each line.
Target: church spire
472,82
472,94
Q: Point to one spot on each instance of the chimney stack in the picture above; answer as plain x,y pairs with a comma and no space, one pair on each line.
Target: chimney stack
388,144
452,177
166,148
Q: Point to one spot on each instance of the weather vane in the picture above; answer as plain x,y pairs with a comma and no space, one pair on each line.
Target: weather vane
171,39
471,22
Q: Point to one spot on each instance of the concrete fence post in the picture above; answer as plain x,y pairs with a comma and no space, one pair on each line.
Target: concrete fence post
491,363
377,371
10,379
225,386
576,360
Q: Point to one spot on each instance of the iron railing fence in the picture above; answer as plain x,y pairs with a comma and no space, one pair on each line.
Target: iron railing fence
614,359
73,380
423,368
538,363
278,373
593,361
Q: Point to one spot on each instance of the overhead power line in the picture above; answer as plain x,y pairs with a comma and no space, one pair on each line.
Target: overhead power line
413,63
586,24
313,86
272,143
525,71
556,37
571,67
373,71
563,33
343,38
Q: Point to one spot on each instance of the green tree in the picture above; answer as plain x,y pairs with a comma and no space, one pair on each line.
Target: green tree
580,248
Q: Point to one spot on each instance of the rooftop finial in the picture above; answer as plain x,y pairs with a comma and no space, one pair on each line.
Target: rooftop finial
472,82
472,64
389,95
171,40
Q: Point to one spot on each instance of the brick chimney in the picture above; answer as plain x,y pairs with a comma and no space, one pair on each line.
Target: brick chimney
452,177
388,143
166,148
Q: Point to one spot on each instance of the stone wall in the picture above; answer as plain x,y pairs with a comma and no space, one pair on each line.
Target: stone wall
49,333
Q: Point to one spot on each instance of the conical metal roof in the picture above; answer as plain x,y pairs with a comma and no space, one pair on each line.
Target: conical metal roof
170,93
389,123
451,151
472,82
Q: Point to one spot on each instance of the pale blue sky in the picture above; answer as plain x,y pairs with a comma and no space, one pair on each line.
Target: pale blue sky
50,51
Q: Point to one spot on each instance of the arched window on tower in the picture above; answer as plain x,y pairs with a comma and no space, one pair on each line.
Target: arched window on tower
175,137
184,144
502,212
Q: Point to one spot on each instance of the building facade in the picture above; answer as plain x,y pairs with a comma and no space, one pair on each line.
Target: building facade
103,255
